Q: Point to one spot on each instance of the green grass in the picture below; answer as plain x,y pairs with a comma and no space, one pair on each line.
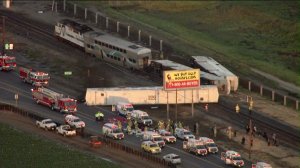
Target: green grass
18,149
241,34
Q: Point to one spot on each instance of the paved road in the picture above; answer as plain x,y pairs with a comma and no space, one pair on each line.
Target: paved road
10,84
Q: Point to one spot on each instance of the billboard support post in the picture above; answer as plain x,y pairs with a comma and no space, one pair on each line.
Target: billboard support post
168,114
176,108
192,103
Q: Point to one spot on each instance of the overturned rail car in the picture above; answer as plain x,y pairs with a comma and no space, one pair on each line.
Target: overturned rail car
151,95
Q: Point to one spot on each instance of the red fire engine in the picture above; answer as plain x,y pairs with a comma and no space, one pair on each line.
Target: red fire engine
54,100
35,78
7,63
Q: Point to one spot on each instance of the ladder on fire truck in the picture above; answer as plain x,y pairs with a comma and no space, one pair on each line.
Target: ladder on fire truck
50,93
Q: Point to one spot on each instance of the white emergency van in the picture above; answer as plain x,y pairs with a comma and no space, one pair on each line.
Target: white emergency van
124,108
232,158
113,131
209,144
142,117
155,137
261,165
184,134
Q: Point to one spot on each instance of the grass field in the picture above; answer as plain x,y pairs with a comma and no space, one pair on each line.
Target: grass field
18,149
241,34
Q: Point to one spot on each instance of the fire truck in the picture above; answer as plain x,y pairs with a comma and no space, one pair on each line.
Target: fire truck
36,78
54,100
232,158
7,63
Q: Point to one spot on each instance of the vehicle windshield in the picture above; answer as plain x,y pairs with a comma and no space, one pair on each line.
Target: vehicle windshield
157,139
176,157
211,145
10,60
129,108
236,158
153,145
201,147
145,117
41,77
49,122
187,133
70,103
66,127
77,120
117,130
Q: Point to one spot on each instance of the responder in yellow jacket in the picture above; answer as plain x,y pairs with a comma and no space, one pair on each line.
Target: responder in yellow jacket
99,116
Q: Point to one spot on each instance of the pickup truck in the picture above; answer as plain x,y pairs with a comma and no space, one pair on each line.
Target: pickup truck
65,130
46,124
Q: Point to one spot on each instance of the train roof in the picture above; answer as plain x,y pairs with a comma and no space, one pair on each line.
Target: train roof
176,66
77,26
141,88
212,66
118,42
172,64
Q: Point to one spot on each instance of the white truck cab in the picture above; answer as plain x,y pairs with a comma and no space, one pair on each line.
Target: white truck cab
124,108
167,136
155,137
184,134
74,121
142,117
209,144
232,158
113,131
261,165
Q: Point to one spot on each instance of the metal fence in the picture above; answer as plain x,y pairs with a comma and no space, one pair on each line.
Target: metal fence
139,36
86,134
270,93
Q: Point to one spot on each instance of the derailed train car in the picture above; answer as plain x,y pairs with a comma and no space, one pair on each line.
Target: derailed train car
132,56
104,46
151,95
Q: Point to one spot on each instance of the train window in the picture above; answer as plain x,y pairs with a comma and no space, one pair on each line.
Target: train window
106,45
125,51
111,57
119,59
115,58
110,46
114,47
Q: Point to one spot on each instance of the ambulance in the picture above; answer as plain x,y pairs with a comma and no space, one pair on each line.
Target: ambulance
232,158
209,144
142,117
113,131
155,137
261,165
124,109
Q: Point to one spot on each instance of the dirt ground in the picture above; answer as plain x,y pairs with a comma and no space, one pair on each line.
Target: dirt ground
266,107
115,156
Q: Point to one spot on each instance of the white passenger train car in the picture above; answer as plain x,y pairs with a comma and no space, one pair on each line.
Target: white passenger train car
71,31
227,80
117,51
151,95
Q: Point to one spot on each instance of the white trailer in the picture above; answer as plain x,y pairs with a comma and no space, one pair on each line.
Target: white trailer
151,95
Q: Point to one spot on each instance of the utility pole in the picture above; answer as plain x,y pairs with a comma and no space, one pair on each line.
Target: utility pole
3,35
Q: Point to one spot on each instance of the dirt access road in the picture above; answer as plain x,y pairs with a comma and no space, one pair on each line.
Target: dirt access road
115,156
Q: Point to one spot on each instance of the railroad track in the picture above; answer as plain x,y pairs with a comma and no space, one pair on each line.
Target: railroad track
286,134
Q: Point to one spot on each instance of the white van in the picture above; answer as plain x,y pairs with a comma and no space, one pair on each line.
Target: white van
113,131
124,108
155,137
142,117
